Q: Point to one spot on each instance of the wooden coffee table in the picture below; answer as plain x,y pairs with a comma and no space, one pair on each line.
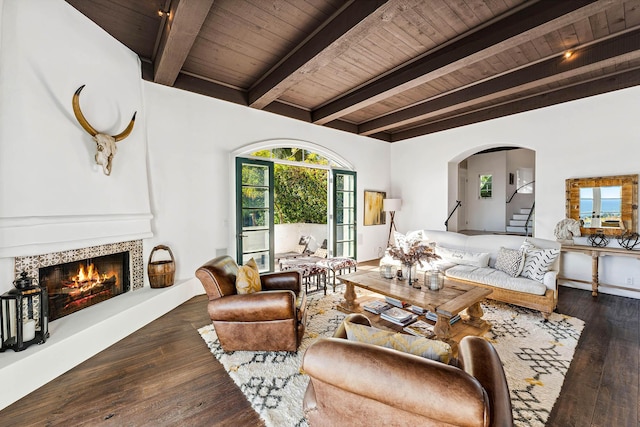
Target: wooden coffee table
446,303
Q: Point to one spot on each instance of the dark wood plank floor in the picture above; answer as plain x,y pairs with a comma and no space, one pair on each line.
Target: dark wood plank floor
164,375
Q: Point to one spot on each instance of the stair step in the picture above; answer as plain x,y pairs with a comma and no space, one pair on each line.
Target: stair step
519,230
525,211
520,223
520,217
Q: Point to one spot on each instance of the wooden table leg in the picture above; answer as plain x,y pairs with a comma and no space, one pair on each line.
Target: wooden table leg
594,273
475,313
443,327
350,297
442,330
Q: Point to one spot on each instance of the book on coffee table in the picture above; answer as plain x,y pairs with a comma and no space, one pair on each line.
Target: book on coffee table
417,310
376,306
395,302
420,328
398,316
434,317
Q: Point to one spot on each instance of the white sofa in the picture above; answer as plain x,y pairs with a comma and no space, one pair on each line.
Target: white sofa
539,295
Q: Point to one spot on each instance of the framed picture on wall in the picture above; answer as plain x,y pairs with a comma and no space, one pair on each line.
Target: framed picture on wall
373,212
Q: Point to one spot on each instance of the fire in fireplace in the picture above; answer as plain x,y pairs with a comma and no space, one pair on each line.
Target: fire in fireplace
79,284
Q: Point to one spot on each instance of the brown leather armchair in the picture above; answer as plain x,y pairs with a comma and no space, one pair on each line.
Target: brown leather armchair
271,320
354,383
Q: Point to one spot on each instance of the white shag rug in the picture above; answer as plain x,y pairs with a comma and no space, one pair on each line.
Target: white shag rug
536,356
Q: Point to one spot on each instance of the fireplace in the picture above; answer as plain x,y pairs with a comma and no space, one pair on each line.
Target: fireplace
78,278
75,285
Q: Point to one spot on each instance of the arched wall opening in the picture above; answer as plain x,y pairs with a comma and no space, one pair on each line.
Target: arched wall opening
505,206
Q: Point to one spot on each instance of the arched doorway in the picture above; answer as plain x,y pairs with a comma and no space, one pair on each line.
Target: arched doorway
266,174
496,190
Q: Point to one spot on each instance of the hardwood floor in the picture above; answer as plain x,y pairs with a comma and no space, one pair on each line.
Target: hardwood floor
165,375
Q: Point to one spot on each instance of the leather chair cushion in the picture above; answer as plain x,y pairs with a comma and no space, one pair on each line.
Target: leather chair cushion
248,278
419,346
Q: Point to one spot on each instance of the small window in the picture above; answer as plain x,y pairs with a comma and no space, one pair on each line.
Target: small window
486,188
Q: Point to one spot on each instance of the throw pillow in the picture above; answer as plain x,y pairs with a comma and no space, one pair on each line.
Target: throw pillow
537,261
248,278
456,256
302,244
419,346
405,242
511,261
320,253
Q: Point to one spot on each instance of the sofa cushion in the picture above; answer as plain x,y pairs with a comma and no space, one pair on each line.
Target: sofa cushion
457,256
419,346
537,261
497,278
248,278
511,261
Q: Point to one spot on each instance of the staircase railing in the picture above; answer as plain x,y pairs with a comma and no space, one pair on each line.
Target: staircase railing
516,190
526,224
446,223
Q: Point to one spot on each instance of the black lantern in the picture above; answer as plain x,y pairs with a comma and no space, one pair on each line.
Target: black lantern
24,317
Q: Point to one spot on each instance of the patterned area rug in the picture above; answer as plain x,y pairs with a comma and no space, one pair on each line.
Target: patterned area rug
536,356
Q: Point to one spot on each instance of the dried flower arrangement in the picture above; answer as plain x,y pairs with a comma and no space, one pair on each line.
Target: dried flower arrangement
416,252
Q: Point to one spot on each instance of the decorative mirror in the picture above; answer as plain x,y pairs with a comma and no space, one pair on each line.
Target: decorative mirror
604,205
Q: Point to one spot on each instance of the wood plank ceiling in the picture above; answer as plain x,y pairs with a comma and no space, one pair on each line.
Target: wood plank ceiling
391,69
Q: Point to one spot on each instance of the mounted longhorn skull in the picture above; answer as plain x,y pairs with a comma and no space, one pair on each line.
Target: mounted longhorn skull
106,144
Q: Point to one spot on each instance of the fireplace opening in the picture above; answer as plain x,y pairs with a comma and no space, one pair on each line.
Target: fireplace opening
79,284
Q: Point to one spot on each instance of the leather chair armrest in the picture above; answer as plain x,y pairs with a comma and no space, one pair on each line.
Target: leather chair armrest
256,307
282,280
358,318
479,359
397,379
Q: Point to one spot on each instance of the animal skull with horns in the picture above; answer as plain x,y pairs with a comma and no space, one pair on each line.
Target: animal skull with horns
106,144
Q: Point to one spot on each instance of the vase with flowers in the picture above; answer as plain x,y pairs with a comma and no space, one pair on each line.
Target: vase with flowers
409,254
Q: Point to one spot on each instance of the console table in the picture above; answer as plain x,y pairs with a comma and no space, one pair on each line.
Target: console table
595,254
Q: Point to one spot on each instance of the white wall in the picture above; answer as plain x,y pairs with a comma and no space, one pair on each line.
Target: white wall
287,236
486,214
191,140
570,140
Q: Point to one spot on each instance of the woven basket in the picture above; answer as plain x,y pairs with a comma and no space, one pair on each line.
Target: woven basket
161,273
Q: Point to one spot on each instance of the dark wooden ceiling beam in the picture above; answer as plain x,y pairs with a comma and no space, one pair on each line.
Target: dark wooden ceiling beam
593,87
585,60
314,51
237,96
178,35
525,24
207,88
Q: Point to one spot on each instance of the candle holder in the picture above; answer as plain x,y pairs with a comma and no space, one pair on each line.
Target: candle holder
433,280
388,270
24,318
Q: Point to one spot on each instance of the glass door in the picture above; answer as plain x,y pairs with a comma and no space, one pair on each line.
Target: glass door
254,212
344,213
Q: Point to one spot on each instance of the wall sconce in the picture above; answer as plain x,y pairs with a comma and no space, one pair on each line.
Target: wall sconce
24,315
